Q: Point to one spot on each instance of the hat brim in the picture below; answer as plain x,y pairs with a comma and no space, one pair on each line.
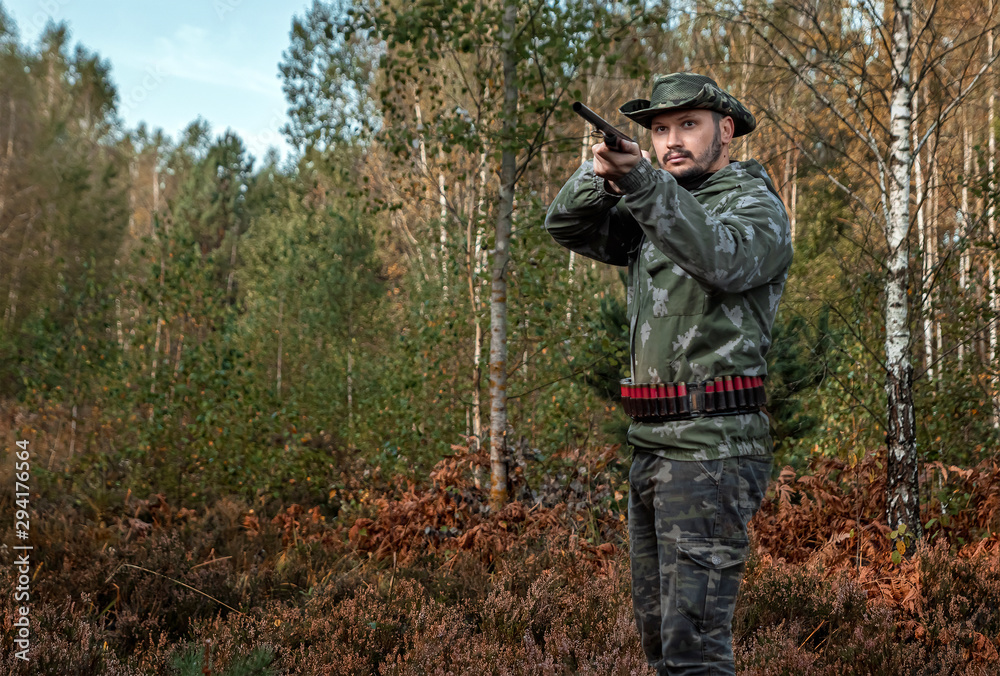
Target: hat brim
641,112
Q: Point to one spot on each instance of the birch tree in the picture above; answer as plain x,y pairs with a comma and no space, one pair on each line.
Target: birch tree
861,64
492,79
902,506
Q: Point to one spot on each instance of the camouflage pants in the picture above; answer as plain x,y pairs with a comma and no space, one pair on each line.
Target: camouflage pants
688,536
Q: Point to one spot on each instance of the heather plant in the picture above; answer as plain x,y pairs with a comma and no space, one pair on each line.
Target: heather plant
436,584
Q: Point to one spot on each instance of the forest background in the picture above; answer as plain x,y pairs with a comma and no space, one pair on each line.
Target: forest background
355,412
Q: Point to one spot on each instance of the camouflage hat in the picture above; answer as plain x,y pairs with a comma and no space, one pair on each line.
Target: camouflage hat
678,91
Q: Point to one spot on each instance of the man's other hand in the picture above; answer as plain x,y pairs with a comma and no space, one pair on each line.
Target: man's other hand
613,164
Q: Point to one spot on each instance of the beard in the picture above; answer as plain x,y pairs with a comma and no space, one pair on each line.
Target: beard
702,163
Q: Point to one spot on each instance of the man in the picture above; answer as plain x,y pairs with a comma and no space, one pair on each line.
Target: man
707,244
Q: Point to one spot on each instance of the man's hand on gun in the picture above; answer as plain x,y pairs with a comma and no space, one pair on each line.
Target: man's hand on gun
617,154
611,165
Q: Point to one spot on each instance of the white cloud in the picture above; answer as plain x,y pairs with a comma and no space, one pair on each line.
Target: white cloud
191,54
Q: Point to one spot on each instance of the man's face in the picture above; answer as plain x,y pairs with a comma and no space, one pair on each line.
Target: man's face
689,143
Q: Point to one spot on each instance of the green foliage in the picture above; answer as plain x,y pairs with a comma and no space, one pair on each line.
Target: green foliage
212,204
552,43
162,313
608,351
314,287
64,213
327,74
255,663
799,359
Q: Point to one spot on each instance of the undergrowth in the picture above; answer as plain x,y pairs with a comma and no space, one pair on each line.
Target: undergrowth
418,578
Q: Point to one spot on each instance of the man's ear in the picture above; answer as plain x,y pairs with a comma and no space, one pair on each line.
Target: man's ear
726,129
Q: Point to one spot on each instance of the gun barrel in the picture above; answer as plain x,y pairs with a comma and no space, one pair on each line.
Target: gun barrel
611,135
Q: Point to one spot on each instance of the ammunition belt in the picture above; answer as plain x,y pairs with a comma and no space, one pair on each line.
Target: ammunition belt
661,402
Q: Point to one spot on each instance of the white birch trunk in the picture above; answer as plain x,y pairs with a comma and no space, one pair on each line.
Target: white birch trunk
923,243
477,380
902,503
399,224
501,257
584,147
472,244
477,304
786,185
442,231
932,239
420,137
118,325
975,271
156,354
795,192
422,156
964,224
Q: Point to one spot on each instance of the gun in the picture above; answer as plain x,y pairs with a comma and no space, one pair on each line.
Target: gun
611,135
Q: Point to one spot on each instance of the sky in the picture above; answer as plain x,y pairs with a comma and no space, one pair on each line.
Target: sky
175,61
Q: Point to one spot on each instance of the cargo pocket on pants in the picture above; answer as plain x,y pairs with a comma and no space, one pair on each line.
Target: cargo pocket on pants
708,578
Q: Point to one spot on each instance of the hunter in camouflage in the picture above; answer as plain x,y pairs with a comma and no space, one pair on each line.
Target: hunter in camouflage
707,244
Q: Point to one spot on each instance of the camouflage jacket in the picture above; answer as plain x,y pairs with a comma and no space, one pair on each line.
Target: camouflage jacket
706,270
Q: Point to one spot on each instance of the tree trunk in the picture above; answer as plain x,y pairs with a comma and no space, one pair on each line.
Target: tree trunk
133,186
180,350
72,437
159,304
350,391
501,256
232,264
425,173
156,188
5,165
789,188
795,192
924,245
935,191
156,355
442,231
277,375
991,223
745,145
472,241
902,503
584,147
118,326
477,412
10,313
964,226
